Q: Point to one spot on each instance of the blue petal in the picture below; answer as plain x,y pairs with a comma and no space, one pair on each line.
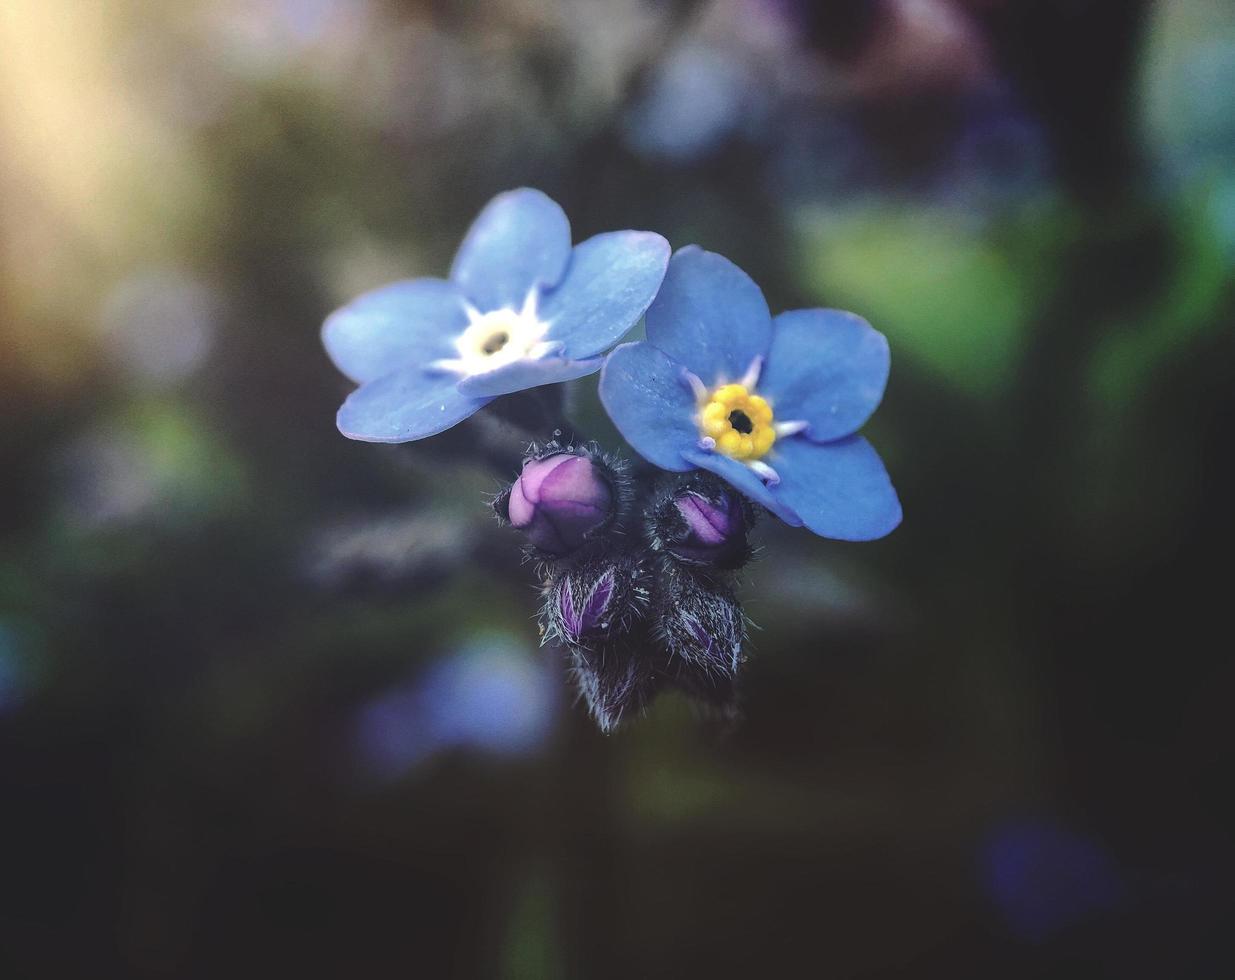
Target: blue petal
406,405
826,367
520,240
709,316
643,392
610,282
839,489
405,323
527,374
744,479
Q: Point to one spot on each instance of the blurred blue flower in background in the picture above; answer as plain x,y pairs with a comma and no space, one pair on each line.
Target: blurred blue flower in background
998,157
1045,878
770,405
521,309
491,696
698,98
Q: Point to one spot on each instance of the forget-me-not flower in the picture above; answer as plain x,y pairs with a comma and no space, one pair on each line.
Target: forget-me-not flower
522,308
769,404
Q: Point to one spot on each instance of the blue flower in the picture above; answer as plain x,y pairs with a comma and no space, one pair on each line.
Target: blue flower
521,308
769,404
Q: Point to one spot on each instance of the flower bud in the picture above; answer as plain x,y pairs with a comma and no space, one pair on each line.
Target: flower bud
616,681
558,501
701,623
589,612
599,598
702,522
597,610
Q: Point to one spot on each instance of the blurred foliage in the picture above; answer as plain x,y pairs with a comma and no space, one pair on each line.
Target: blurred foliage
949,296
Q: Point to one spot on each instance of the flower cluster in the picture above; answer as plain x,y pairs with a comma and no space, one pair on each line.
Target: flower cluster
735,408
636,575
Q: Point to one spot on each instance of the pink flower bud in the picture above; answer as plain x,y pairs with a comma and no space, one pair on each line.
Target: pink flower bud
558,500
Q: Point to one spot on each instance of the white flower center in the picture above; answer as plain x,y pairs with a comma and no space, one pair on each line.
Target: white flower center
498,338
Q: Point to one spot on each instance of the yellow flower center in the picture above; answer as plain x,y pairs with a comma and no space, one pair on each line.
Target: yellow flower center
741,423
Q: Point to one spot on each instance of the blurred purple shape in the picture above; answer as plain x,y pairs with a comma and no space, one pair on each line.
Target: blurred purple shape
492,696
265,34
1044,878
308,20
999,154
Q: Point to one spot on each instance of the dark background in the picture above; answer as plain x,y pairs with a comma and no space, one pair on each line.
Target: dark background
271,702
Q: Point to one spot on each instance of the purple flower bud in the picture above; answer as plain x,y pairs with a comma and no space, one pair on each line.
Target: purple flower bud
597,610
588,612
558,500
616,683
712,531
701,622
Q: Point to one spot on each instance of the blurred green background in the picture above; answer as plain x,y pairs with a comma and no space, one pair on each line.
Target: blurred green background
271,702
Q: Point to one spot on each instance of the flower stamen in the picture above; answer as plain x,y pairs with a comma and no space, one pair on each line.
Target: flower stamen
790,428
764,472
751,377
696,386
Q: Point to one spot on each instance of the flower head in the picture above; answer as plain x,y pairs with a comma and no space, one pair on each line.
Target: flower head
771,405
522,308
